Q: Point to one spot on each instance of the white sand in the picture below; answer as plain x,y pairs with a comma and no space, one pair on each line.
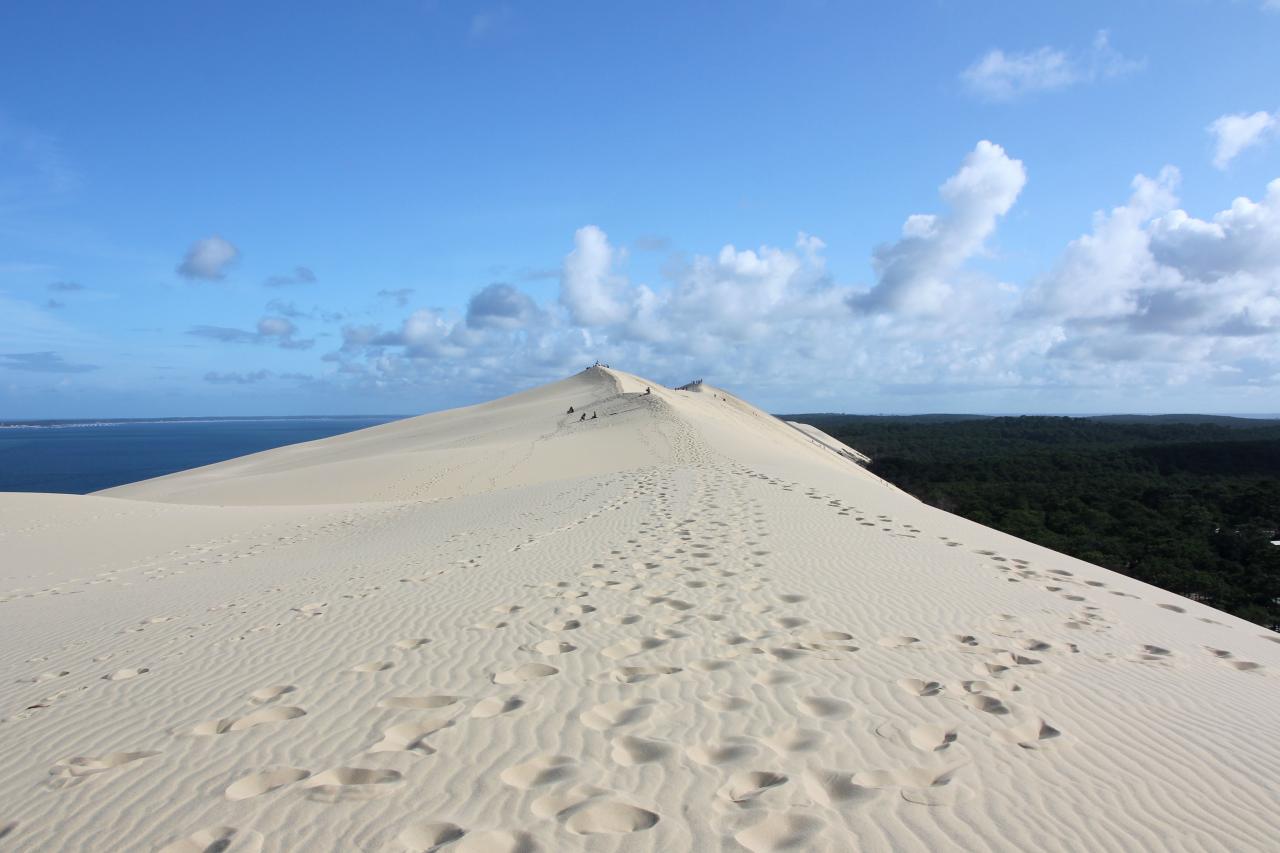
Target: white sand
684,625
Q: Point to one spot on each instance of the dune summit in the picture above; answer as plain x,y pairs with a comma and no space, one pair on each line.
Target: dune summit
679,625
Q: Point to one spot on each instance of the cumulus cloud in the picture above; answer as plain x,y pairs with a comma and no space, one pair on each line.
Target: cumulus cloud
42,362
301,275
271,329
589,287
1001,76
208,259
918,273
1149,296
1235,133
1153,283
501,305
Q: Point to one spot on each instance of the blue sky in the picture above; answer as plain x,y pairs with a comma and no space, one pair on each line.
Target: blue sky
239,208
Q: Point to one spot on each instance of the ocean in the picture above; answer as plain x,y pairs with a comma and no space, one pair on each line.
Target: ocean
78,457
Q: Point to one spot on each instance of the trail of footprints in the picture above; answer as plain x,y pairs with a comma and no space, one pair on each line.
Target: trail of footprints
687,570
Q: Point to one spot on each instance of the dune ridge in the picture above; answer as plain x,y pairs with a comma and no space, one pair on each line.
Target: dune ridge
680,625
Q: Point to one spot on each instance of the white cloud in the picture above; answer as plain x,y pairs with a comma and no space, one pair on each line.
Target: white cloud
1001,76
1149,298
1100,272
1155,284
1234,133
503,306
589,288
208,259
917,274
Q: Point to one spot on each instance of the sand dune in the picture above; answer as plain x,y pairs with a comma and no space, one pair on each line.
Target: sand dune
683,625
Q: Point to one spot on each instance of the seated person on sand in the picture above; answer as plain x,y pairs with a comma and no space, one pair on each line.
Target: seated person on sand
570,412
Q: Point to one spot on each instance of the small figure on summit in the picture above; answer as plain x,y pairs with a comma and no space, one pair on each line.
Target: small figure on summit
570,412
583,418
593,415
648,390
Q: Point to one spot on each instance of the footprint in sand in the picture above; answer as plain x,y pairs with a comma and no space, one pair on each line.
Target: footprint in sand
832,788
710,665
919,687
899,642
988,704
1153,654
630,751
747,785
1244,665
724,752
248,721
73,771
524,672
350,783
126,674
257,784
610,715
916,782
637,674
411,643
629,647
410,737
931,738
264,695
494,706
426,837
1029,735
826,708
586,810
373,666
44,676
542,770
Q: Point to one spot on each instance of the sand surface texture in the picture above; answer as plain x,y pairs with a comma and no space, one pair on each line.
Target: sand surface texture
684,625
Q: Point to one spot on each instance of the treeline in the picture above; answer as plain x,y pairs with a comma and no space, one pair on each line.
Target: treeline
1189,507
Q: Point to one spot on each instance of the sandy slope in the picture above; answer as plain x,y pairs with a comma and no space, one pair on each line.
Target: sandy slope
684,625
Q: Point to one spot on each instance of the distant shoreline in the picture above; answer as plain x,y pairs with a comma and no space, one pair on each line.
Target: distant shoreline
69,423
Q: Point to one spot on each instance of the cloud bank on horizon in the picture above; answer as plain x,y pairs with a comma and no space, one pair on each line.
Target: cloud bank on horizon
1151,293
998,292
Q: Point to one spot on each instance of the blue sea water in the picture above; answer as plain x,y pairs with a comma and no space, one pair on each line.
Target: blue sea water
80,457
